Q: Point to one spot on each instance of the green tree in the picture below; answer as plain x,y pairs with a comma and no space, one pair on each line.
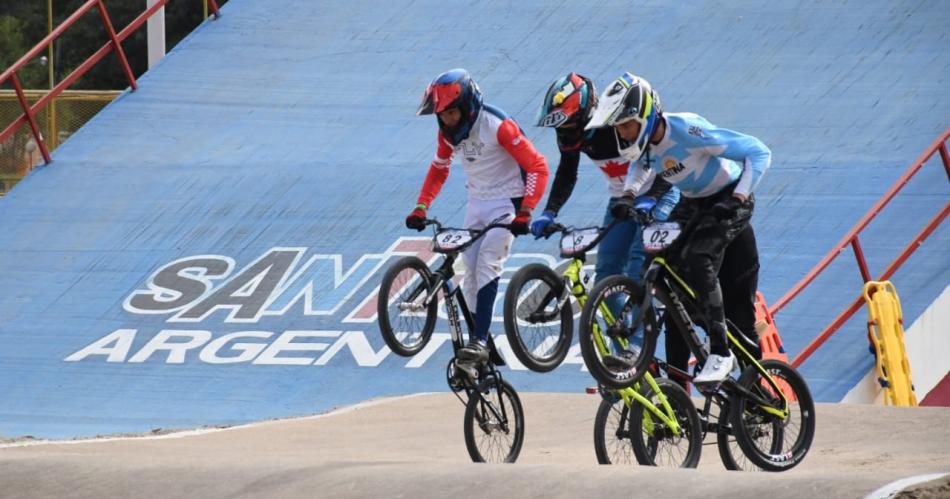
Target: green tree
13,46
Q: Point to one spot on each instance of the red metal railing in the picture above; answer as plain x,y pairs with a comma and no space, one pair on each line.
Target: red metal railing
114,44
851,238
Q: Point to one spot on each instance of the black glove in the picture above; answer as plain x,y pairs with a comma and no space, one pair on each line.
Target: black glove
519,226
726,208
417,219
623,208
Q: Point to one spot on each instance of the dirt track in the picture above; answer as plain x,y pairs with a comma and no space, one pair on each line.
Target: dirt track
413,447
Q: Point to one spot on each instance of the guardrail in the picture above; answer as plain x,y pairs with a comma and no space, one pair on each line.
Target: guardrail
851,239
113,45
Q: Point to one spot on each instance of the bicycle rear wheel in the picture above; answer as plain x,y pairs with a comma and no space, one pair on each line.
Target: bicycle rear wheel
538,326
612,435
771,442
406,322
610,317
654,443
494,423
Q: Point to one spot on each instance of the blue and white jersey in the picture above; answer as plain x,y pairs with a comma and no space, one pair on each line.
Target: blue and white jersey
701,159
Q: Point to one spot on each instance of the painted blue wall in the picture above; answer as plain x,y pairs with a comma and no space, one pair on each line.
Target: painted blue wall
290,124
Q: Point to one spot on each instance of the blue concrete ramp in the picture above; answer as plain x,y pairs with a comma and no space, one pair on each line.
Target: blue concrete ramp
206,250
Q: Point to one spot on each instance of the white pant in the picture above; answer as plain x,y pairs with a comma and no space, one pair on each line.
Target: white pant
485,259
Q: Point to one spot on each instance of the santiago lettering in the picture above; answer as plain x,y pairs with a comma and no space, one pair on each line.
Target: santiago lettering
283,285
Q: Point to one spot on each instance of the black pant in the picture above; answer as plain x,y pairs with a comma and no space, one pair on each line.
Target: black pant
720,260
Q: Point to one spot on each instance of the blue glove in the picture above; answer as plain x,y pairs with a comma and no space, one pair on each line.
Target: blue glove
541,223
644,204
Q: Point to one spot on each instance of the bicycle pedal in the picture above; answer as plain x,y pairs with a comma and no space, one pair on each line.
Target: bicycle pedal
469,369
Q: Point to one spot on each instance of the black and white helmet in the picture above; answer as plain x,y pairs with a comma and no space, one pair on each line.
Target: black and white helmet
629,98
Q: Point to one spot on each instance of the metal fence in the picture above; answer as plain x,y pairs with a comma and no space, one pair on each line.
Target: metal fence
65,114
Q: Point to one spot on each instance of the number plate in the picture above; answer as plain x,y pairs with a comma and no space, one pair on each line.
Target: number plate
578,241
659,236
451,239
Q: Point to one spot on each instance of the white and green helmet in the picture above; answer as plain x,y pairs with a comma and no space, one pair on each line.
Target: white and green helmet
629,98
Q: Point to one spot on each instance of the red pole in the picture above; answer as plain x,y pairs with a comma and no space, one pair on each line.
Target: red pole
946,159
859,256
918,240
114,43
82,68
865,220
823,337
29,117
117,45
214,8
841,319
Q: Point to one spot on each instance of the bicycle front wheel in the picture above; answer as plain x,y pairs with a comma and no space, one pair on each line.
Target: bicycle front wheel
771,442
654,441
612,435
406,321
617,347
538,325
494,423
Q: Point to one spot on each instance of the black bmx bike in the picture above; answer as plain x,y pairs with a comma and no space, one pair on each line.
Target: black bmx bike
408,310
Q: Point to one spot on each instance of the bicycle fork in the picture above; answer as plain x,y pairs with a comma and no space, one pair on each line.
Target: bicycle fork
666,416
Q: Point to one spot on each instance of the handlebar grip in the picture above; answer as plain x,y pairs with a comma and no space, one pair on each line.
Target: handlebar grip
553,228
642,217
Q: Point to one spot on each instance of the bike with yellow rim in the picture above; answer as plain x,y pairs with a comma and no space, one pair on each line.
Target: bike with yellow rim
653,422
767,410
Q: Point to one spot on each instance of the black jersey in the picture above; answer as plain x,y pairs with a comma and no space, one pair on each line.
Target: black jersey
600,145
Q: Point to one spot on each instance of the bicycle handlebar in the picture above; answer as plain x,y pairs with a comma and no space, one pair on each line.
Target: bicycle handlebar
476,233
556,228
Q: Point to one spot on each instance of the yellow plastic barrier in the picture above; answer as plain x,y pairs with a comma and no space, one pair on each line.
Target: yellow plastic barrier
886,332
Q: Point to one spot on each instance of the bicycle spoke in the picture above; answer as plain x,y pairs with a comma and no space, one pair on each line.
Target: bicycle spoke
408,312
406,309
620,448
494,422
538,316
669,450
774,442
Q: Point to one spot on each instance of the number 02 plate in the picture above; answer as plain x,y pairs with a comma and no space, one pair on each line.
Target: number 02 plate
659,236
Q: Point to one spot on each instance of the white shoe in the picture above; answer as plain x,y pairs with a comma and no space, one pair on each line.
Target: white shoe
716,369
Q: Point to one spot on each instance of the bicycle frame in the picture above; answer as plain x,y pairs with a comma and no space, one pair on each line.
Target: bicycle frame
575,284
454,302
677,293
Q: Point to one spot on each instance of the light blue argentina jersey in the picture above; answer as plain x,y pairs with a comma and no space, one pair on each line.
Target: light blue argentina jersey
701,159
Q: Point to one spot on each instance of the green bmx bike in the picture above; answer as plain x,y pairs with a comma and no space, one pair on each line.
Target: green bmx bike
653,421
767,411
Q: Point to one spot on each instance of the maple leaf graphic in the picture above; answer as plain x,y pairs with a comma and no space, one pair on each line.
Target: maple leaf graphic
615,169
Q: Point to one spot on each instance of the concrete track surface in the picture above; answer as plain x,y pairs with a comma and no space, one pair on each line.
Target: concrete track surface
413,447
